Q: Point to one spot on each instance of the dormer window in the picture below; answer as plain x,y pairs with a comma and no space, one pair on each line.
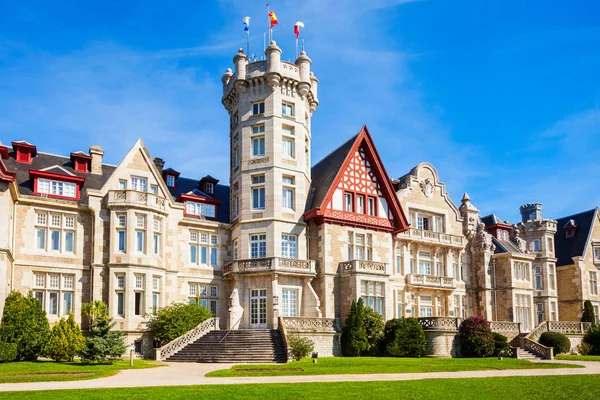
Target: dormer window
170,176
200,209
81,162
24,151
210,188
570,228
56,185
170,181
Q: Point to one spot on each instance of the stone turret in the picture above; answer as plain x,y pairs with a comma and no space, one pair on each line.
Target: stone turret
531,212
273,55
470,216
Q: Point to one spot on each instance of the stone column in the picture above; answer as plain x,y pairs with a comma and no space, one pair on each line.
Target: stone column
275,301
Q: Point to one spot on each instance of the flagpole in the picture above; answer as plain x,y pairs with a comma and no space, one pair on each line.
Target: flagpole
269,20
296,46
248,42
264,43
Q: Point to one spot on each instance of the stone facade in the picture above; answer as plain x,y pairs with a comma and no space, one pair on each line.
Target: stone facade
283,239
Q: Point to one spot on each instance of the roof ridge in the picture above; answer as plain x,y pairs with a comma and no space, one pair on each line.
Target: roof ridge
579,213
352,139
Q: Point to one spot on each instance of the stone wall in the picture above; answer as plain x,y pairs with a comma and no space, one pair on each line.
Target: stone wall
327,344
442,344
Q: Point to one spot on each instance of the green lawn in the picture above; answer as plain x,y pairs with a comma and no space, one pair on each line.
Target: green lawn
579,387
39,371
380,365
571,357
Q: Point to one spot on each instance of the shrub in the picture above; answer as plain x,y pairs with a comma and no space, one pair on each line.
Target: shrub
476,338
8,352
374,325
592,338
102,344
500,344
354,335
559,341
66,340
588,312
584,349
300,347
25,324
404,337
172,321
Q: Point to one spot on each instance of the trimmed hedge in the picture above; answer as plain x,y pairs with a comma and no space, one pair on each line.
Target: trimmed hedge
500,344
559,341
404,337
8,352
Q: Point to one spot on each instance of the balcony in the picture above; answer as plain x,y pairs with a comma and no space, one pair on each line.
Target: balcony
290,266
430,281
363,266
432,237
133,198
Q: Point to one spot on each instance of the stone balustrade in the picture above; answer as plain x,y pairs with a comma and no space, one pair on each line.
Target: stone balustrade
190,336
363,266
440,323
271,264
433,237
311,324
568,327
505,326
441,282
135,198
547,353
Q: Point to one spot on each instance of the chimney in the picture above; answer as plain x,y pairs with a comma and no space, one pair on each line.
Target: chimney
160,163
96,152
531,212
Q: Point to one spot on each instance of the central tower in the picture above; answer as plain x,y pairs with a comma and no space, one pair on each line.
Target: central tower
270,104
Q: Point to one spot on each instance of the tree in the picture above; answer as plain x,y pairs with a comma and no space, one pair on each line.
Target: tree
559,341
588,312
24,323
476,337
103,344
354,335
592,340
373,323
66,340
172,321
404,337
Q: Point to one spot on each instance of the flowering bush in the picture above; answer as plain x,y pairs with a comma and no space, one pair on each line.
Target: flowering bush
476,338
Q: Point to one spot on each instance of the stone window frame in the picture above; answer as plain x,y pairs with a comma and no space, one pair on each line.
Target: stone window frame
260,242
375,291
289,245
204,294
45,225
44,292
202,245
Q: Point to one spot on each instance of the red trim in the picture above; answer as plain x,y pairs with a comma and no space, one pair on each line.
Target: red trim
199,199
81,162
77,180
5,174
3,152
364,139
24,152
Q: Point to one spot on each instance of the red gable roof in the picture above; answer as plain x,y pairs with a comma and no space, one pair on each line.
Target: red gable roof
361,173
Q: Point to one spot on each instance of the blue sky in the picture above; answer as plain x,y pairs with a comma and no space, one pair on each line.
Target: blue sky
501,96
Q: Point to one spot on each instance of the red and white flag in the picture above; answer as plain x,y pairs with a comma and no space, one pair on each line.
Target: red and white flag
297,27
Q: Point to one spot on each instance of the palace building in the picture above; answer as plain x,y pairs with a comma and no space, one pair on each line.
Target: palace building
286,236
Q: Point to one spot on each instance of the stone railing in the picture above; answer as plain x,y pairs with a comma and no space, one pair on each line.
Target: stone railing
434,237
440,323
135,198
537,331
430,281
311,324
569,327
547,353
363,266
271,264
190,336
505,326
283,331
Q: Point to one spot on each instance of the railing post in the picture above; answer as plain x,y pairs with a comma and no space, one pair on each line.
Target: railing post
581,327
519,327
548,325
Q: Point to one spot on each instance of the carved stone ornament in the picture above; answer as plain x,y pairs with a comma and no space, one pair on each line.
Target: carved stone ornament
427,187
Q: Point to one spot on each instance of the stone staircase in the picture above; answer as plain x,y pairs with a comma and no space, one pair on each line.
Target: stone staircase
529,356
239,346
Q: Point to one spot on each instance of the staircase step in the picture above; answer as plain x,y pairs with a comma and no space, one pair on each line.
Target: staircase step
237,346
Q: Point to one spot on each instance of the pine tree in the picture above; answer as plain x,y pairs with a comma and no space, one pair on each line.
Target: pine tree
354,335
24,323
65,341
102,344
588,312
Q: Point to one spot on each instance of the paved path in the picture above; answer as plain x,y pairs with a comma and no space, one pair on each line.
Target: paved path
184,374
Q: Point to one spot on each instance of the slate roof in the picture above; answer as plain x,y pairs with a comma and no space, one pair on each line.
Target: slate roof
187,185
492,219
567,248
50,163
324,172
503,246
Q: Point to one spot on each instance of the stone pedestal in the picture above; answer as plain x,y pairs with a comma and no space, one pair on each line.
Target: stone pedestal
442,343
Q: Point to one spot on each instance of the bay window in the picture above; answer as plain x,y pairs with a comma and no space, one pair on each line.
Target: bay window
289,246
258,246
372,294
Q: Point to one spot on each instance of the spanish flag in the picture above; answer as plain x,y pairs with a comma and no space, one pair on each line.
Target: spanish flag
273,19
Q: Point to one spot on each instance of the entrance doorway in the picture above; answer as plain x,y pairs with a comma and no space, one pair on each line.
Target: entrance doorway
258,308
